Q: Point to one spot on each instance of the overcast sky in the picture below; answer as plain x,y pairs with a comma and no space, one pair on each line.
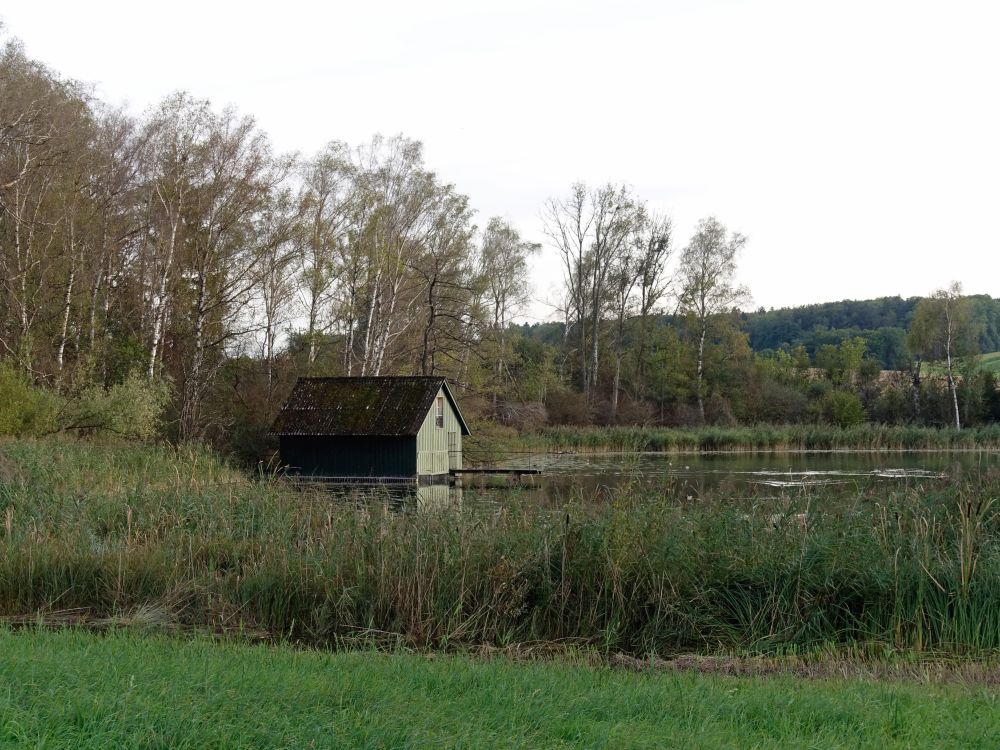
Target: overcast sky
857,144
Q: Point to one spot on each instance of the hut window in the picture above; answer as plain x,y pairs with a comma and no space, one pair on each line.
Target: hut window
439,417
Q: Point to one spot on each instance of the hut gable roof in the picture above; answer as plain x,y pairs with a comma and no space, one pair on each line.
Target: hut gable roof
384,406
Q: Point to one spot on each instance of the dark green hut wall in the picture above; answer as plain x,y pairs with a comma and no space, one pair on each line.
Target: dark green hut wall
347,456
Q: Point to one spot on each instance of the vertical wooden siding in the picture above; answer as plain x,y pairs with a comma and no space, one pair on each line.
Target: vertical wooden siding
432,441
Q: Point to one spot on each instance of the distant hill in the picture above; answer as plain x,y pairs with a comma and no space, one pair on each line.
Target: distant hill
882,322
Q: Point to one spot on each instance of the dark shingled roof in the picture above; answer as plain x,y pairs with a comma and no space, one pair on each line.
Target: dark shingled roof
386,406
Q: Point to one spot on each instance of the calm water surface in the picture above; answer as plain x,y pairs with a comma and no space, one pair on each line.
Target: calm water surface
596,477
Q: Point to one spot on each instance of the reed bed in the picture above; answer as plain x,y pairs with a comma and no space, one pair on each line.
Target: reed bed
177,539
804,437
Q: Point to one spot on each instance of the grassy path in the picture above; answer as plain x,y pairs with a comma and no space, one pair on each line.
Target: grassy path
72,689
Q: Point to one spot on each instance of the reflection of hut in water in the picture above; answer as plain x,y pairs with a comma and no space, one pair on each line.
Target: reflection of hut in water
438,496
371,428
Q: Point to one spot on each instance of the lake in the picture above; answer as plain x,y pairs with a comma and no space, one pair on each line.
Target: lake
595,477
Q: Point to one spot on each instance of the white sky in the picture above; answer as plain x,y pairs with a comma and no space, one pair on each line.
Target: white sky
856,143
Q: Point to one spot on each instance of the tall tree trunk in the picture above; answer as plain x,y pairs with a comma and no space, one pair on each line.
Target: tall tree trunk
366,352
583,356
432,314
701,372
192,383
159,300
94,294
916,388
617,386
953,386
349,336
313,316
67,305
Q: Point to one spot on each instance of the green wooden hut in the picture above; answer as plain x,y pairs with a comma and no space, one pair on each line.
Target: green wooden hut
379,428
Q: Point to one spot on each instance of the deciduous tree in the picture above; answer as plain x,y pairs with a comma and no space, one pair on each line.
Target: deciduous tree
706,277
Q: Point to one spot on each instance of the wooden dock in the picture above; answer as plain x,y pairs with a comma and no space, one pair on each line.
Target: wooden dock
361,481
497,470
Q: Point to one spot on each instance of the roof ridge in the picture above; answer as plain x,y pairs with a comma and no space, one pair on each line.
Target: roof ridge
371,377
361,405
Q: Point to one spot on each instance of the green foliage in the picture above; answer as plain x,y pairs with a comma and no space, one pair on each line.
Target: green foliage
991,396
841,362
25,409
943,325
841,408
767,400
893,405
882,322
990,362
131,409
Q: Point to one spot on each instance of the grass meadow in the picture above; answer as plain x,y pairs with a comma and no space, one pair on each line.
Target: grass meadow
987,362
72,689
990,362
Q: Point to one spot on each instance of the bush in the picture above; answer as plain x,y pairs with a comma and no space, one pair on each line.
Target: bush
567,407
25,409
842,408
771,401
130,409
634,411
718,411
528,416
894,405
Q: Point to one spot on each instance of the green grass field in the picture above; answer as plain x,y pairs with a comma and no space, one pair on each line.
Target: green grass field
77,690
990,362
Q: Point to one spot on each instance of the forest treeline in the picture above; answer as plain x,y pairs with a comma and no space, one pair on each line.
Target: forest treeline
883,323
170,274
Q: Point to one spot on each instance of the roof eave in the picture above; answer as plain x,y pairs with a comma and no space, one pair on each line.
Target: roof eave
454,405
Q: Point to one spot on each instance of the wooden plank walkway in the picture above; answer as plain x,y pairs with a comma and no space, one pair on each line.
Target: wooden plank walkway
498,470
362,480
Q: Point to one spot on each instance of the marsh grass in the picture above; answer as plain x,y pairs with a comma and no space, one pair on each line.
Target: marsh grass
805,437
177,540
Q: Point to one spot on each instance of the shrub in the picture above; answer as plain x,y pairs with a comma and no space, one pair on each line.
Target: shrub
130,409
893,405
567,407
527,416
771,401
634,411
25,409
718,411
842,408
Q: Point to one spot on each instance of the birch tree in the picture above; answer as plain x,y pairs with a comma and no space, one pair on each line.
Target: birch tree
177,135
43,124
941,329
326,203
503,272
237,177
636,283
706,276
396,197
567,224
